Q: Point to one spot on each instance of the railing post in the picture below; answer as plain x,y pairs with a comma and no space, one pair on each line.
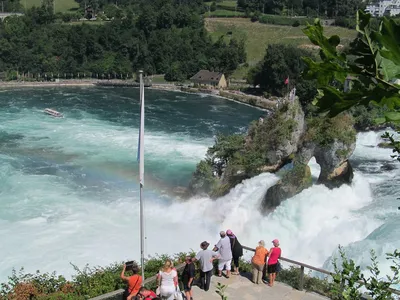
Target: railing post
301,281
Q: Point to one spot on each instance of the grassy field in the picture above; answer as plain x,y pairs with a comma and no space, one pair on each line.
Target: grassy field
61,5
223,13
224,3
258,36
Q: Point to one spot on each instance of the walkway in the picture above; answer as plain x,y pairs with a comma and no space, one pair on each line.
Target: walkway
240,287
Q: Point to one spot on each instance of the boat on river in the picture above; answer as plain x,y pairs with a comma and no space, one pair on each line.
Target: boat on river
53,113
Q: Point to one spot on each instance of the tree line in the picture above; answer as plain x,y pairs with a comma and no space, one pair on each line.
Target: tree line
161,37
313,8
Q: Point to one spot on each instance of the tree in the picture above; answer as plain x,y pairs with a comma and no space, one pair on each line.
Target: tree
213,6
281,62
371,73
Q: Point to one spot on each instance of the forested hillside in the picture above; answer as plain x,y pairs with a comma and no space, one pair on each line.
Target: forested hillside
165,37
325,8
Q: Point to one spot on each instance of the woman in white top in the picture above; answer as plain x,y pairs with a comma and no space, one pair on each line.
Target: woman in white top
167,281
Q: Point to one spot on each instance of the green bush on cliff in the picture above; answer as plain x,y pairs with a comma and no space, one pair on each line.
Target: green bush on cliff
324,131
224,149
203,179
365,117
299,175
270,134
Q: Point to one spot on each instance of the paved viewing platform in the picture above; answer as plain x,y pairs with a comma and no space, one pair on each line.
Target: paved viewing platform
240,287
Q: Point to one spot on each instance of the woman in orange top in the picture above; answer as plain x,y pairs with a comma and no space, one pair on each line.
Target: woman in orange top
134,282
258,262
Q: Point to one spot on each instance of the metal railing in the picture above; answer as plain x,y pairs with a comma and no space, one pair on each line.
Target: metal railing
304,266
116,295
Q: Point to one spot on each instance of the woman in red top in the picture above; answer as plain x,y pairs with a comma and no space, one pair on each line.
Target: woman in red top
274,255
145,294
134,282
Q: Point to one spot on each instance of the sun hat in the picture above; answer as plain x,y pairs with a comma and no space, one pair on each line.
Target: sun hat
204,244
275,241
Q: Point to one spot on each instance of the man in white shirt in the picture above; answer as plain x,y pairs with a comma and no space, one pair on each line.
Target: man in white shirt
225,253
205,257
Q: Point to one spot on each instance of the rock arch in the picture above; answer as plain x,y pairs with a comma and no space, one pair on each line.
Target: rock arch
331,143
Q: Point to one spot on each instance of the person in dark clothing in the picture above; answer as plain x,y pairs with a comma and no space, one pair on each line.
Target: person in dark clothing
188,277
237,250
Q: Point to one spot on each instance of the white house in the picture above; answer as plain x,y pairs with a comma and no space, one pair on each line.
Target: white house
384,8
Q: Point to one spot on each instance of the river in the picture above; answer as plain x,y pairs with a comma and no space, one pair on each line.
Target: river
69,187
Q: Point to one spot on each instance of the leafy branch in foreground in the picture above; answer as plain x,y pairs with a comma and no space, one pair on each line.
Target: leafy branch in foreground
220,290
348,278
365,76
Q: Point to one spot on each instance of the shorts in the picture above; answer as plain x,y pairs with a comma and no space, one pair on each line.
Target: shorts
272,268
186,287
224,263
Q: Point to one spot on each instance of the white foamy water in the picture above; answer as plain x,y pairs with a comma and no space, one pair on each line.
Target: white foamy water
56,231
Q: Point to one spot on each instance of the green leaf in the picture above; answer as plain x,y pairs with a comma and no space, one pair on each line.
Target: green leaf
389,37
392,116
380,120
362,21
327,46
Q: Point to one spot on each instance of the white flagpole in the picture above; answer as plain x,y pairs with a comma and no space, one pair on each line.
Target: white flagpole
141,172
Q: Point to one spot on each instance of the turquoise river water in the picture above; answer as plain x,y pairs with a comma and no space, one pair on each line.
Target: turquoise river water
69,187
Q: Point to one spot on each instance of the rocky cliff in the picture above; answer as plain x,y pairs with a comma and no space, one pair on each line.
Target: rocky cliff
282,137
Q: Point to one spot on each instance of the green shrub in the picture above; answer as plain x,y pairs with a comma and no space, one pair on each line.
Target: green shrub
282,20
213,6
324,131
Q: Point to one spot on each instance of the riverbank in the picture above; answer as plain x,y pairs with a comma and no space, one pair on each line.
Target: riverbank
18,84
236,96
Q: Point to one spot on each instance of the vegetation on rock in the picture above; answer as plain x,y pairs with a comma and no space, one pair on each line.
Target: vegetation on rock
292,182
267,146
324,131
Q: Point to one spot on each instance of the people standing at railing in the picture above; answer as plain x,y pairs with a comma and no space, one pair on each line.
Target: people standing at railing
237,251
258,262
187,277
225,254
134,282
274,256
205,257
167,281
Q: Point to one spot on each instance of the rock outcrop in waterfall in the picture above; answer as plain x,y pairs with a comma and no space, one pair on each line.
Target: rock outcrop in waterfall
283,137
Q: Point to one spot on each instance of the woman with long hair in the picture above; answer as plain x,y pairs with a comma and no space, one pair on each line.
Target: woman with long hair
167,281
237,250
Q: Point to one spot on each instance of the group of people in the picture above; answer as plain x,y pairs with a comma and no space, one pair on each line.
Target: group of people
227,251
264,260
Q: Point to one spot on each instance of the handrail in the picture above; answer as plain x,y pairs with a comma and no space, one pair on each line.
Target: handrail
303,265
